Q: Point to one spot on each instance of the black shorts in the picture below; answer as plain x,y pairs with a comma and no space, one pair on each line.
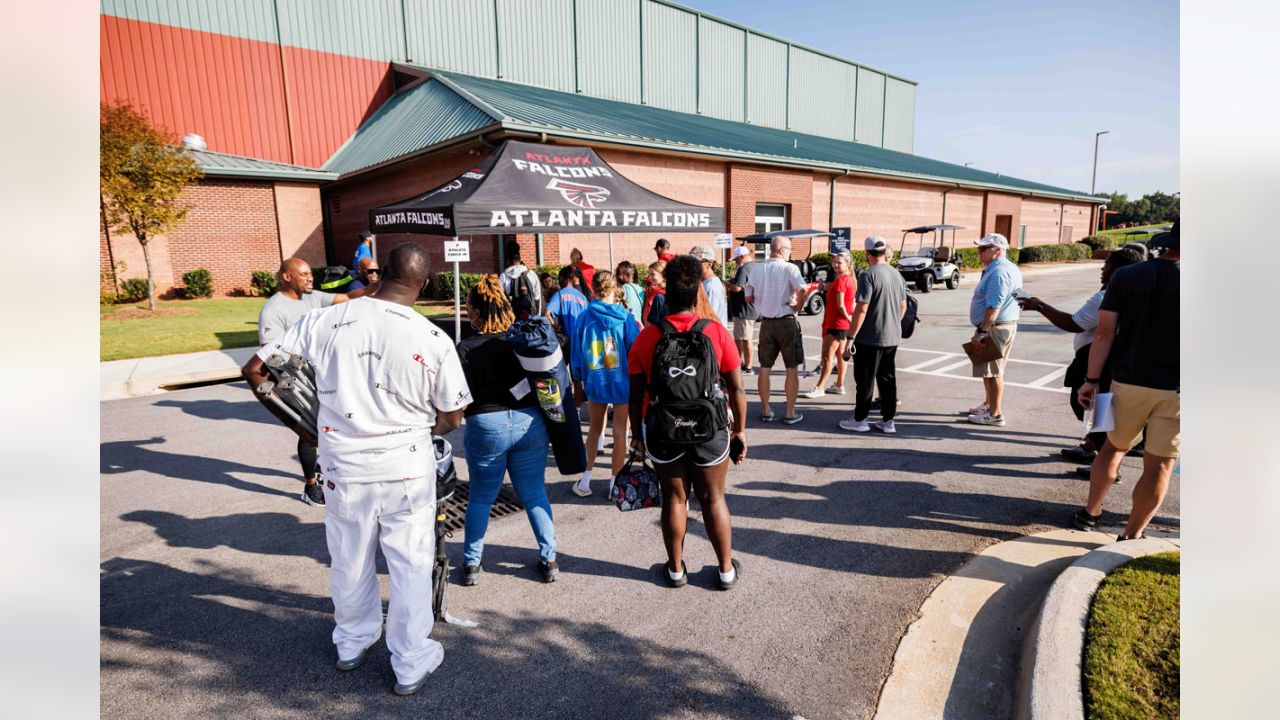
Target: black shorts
712,452
837,334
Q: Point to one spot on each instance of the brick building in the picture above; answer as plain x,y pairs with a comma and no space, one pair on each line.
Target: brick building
393,97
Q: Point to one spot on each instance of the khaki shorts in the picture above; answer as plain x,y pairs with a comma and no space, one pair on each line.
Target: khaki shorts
743,329
1159,411
1002,336
781,336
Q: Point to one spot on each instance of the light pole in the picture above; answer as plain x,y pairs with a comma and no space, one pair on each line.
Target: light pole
968,164
1093,183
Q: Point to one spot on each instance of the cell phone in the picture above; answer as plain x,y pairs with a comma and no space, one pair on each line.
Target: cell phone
736,449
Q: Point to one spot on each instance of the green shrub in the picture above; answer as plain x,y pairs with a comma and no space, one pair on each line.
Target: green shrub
264,283
198,283
552,268
444,284
133,290
821,258
1102,242
1012,253
1073,252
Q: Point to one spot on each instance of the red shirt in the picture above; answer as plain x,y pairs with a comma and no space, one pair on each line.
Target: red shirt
666,257
640,358
588,274
831,319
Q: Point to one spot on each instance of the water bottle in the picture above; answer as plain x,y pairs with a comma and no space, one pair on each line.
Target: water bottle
1088,421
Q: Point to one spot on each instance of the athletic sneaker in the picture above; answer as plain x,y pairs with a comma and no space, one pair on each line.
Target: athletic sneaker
1086,472
471,575
313,495
886,427
836,389
550,571
1078,454
679,580
816,392
748,371
737,575
986,418
582,488
978,410
1084,521
855,425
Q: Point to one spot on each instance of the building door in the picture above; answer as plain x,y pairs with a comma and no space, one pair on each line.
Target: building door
1004,225
769,218
1066,233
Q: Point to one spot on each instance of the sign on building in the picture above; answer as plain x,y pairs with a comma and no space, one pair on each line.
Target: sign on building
842,241
457,251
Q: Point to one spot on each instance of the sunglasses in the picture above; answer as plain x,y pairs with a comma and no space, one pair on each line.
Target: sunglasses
372,271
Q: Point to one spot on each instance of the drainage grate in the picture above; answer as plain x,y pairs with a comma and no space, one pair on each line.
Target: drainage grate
455,508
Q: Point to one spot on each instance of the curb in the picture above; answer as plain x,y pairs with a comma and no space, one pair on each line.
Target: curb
146,376
1050,687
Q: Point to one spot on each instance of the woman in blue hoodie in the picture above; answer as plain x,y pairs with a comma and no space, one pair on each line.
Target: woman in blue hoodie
605,332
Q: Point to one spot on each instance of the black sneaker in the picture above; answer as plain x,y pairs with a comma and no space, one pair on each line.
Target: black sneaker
676,582
550,571
471,575
737,575
1084,521
313,495
1086,472
1078,454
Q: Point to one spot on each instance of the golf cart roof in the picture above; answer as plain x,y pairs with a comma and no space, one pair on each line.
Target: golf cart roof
790,234
930,228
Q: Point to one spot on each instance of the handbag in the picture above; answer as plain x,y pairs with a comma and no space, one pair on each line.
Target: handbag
635,487
983,352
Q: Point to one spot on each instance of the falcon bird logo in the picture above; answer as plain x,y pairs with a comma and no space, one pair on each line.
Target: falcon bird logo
584,196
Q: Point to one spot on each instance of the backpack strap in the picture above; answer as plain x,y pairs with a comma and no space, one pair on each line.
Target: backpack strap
666,327
699,325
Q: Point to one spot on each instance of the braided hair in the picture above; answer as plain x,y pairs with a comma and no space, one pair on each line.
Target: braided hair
489,307
606,286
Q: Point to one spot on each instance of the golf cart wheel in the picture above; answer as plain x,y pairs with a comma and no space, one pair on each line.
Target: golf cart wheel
814,306
953,282
925,282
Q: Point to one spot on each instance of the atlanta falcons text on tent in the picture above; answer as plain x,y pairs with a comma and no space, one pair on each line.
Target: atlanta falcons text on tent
407,217
597,218
577,172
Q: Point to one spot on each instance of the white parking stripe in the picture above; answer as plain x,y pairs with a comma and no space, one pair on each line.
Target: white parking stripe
1040,382
952,366
930,361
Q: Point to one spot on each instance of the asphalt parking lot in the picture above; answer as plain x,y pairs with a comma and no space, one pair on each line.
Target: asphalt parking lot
214,595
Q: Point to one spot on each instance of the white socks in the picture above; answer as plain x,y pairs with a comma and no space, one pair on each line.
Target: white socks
674,575
728,577
585,480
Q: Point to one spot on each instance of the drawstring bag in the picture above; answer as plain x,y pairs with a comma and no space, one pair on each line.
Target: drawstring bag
535,346
635,487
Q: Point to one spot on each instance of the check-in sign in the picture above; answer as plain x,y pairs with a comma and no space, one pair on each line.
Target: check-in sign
724,241
457,251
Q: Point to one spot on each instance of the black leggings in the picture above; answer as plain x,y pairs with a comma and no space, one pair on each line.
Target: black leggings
307,458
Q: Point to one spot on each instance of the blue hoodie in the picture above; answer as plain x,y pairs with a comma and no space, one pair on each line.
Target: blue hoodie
599,356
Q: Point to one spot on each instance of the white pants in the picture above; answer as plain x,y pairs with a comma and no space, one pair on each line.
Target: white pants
401,514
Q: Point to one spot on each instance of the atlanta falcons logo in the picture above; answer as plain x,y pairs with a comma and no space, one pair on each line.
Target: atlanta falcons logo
584,196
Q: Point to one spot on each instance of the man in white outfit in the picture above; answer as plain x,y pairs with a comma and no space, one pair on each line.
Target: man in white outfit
386,380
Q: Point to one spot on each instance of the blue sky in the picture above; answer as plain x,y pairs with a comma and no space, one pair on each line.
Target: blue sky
1017,88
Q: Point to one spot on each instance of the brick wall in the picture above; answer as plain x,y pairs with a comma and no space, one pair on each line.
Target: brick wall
1040,215
300,221
748,185
871,206
1002,204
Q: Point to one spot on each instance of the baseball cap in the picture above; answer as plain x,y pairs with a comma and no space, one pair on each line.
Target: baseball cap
994,239
365,233
740,251
874,243
702,252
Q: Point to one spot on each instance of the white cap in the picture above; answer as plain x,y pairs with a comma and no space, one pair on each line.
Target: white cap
995,239
740,251
703,252
874,242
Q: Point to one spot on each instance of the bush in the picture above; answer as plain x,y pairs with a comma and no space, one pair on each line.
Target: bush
1073,252
133,290
198,283
444,284
1102,242
553,269
264,283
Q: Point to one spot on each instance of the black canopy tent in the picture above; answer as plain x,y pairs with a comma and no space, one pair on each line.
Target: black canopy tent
531,188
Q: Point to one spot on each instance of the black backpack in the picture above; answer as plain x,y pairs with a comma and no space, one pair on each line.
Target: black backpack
911,317
687,406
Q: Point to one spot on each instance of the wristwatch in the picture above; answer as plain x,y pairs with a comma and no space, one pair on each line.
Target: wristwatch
1091,380
1040,307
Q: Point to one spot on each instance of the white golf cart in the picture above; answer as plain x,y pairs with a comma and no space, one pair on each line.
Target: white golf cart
932,262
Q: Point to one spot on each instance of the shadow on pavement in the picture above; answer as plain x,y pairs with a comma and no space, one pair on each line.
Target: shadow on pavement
133,455
268,533
905,459
249,411
217,644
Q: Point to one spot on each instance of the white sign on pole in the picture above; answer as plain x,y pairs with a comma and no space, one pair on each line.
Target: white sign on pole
724,241
457,251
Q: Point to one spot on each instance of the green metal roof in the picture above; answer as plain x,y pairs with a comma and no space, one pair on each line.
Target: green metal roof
410,124
216,164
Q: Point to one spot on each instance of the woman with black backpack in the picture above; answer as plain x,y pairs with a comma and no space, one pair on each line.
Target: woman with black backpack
687,399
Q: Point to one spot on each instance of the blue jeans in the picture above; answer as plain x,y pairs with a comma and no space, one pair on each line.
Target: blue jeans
512,441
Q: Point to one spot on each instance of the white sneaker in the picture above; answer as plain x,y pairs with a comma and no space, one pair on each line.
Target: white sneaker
855,425
816,392
886,427
836,390
978,410
582,488
986,418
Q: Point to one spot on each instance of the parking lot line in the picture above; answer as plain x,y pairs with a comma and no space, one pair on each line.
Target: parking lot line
930,361
1040,382
952,366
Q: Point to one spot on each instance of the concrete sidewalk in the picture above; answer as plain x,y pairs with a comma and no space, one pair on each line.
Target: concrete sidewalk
149,375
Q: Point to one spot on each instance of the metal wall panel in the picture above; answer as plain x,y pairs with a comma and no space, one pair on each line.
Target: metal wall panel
869,124
899,115
536,42
670,51
329,96
609,49
821,95
252,19
721,75
369,29
766,81
453,35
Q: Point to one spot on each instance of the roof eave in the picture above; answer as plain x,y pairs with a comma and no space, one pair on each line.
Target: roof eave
426,150
249,173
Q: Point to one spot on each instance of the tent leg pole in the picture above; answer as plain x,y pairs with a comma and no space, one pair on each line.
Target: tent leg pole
611,265
457,305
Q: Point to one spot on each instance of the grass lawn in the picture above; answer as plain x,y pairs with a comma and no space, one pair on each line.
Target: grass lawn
1120,232
1132,645
182,326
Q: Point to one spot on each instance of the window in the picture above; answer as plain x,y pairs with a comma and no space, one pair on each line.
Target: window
769,218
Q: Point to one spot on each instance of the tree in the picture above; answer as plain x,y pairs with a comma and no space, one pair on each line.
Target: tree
141,175
1149,209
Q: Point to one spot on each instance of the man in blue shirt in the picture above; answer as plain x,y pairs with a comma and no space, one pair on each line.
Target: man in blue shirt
994,313
363,250
563,309
712,283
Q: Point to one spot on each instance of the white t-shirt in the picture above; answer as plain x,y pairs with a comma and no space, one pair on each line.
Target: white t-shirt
382,372
1087,320
773,284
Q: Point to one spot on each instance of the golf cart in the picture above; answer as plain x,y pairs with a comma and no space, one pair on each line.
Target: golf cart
931,263
815,275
